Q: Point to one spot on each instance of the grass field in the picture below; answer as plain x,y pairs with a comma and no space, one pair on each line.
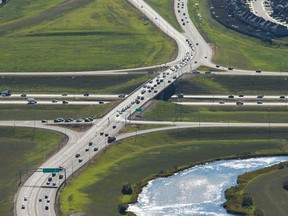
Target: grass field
88,35
97,189
235,49
114,84
166,9
166,111
22,148
38,112
233,85
265,189
268,194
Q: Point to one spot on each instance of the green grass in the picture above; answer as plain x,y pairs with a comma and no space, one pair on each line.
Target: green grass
99,35
268,194
114,84
233,85
38,112
235,49
166,111
97,189
166,9
22,148
265,188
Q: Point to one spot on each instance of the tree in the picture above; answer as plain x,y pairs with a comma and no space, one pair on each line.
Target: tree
246,200
285,185
258,212
127,189
122,208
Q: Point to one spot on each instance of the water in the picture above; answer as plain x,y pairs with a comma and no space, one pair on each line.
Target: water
196,191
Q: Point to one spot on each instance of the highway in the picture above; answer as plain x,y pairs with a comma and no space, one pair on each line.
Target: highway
240,97
192,52
36,187
218,103
45,102
60,96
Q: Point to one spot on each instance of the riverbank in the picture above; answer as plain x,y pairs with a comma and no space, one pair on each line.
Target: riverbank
132,160
249,182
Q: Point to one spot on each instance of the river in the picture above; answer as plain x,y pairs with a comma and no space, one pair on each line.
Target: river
198,190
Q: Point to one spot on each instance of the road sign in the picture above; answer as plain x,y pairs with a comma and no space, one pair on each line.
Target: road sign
51,170
138,110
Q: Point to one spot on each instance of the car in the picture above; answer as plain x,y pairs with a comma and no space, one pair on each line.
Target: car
86,94
90,143
241,95
106,135
54,184
77,155
40,200
121,95
217,66
87,149
197,44
67,120
53,174
87,120
48,201
101,102
44,121
80,160
259,102
23,207
95,149
239,103
60,176
46,207
58,120
142,98
65,102
46,196
149,90
101,133
64,94
231,96
23,95
174,77
114,126
155,91
47,183
230,68
79,120
54,101
221,102
258,71
137,101
25,198
49,179
282,96
260,96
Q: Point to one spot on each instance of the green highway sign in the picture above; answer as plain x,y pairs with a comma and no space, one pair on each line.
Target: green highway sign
51,170
138,110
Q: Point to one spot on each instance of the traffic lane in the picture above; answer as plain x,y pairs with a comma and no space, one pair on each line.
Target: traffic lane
55,103
259,97
57,96
269,104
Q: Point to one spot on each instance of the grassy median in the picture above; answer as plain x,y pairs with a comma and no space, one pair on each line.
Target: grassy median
109,84
96,190
22,148
79,36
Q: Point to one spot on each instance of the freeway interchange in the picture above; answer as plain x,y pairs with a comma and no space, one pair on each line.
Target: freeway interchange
36,196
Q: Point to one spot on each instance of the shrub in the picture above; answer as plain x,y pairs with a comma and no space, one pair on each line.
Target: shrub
246,200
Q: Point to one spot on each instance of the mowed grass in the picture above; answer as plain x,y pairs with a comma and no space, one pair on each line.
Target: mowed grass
22,148
99,35
166,111
38,112
233,85
268,194
113,84
166,9
235,49
97,189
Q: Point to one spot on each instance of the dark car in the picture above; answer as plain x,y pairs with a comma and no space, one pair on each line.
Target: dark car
44,121
230,68
231,96
77,155
258,71
86,94
95,149
260,96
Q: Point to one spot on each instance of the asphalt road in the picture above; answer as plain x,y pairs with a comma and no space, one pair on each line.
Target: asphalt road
258,97
45,102
217,103
60,96
36,187
189,56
